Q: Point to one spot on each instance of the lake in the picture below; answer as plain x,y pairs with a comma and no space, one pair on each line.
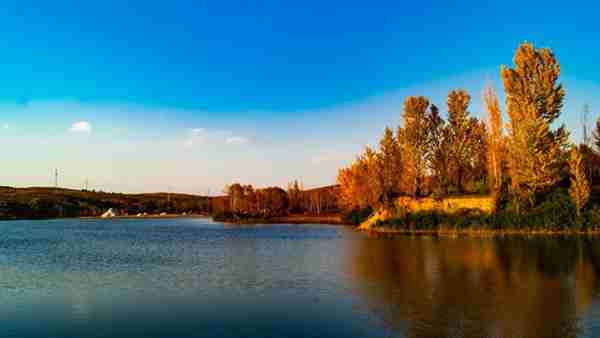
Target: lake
197,278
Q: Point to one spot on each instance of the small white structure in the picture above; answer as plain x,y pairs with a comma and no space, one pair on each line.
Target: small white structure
110,213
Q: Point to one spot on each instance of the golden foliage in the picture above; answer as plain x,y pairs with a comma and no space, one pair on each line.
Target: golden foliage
466,138
360,183
413,137
390,165
580,185
536,153
495,141
432,155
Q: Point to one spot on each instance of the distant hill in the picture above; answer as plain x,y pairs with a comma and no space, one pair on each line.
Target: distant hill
45,202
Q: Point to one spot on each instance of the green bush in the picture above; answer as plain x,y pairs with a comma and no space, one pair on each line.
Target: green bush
591,217
356,216
555,210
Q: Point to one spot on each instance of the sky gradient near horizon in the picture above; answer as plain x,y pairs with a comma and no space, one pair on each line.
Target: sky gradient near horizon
191,95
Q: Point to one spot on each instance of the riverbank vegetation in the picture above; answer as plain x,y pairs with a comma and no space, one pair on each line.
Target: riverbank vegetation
244,203
535,176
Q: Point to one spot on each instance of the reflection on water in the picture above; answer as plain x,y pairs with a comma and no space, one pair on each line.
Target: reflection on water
196,278
427,287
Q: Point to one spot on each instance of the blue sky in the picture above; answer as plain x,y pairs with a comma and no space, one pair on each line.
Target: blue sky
191,95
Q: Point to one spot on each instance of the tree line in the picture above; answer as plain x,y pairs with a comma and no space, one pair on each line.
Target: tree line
246,201
519,163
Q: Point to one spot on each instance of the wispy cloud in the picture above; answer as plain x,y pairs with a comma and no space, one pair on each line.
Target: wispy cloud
81,127
236,140
202,136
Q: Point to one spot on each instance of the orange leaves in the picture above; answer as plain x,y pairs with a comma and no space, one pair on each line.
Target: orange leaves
536,154
580,184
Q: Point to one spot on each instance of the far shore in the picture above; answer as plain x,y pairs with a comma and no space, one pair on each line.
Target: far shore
302,219
290,219
147,216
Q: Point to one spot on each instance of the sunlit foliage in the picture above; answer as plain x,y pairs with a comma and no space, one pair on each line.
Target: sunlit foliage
413,137
466,139
495,140
534,100
580,185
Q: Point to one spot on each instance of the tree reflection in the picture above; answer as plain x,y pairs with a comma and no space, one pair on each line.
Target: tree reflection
437,287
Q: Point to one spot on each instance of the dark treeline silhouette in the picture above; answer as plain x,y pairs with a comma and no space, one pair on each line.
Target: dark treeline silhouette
528,166
32,203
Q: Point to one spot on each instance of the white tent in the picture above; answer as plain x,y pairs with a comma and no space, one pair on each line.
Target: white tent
110,213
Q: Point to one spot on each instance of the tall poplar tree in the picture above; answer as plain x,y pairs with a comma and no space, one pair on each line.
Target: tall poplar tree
580,185
438,156
464,137
413,137
495,149
390,165
534,100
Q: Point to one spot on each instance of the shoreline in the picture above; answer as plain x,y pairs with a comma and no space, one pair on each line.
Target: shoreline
333,219
477,232
145,216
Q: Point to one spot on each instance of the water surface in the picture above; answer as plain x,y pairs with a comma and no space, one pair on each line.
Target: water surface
197,278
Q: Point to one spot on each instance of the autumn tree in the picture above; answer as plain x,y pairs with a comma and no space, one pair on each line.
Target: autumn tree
236,196
390,166
360,184
437,155
295,196
274,201
414,137
373,171
534,100
250,200
495,141
580,185
349,181
465,138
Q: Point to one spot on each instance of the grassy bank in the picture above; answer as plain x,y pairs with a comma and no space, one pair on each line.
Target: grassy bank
554,214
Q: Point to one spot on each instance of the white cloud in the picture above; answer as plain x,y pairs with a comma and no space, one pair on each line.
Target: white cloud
81,127
202,136
236,140
196,136
5,126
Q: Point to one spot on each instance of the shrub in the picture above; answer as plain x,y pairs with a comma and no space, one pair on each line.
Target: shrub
357,215
556,210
